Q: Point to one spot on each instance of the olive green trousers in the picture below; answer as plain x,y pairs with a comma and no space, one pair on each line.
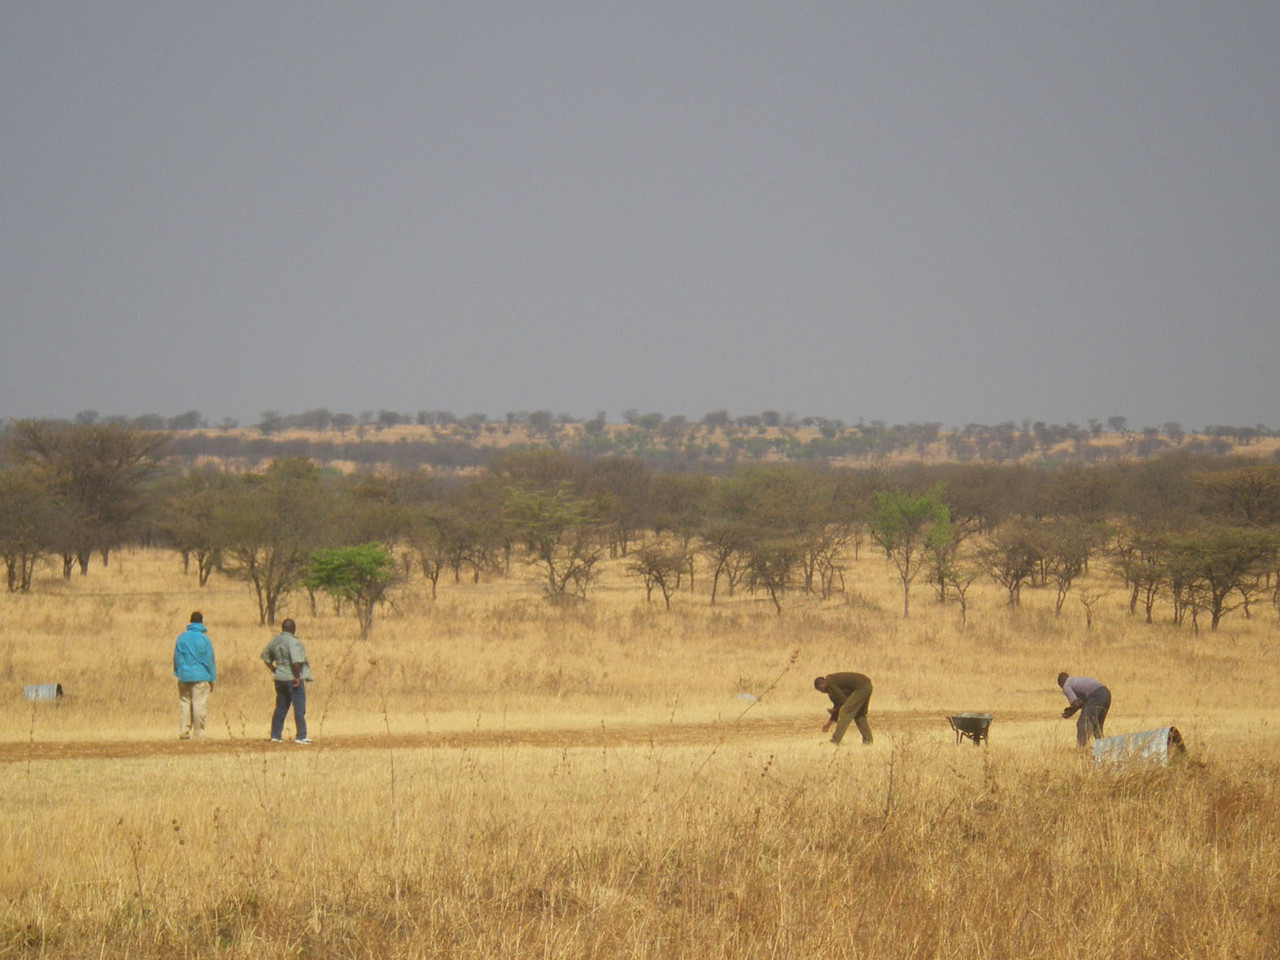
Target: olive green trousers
854,710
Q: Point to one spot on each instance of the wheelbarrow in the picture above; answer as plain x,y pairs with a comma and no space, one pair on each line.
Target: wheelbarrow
971,725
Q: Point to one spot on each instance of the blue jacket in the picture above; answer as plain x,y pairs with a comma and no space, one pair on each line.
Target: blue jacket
193,656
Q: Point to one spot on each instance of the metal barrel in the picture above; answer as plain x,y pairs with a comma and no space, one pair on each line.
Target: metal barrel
1155,746
43,691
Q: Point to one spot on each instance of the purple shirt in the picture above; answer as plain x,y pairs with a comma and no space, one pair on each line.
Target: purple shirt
1078,689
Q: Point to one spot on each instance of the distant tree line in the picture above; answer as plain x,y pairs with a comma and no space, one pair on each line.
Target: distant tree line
716,442
1192,537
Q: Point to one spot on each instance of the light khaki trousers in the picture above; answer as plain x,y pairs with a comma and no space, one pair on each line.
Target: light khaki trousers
193,705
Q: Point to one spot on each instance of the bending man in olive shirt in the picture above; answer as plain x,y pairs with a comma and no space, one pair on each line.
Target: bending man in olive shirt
850,693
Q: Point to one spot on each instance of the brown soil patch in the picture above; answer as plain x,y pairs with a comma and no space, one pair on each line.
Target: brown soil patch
665,734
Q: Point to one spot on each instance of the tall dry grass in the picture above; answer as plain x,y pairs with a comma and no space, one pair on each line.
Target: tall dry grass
494,775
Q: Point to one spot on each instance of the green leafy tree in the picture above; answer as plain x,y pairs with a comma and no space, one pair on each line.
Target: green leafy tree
358,575
905,526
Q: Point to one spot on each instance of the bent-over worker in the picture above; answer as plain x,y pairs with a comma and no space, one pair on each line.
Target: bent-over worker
850,693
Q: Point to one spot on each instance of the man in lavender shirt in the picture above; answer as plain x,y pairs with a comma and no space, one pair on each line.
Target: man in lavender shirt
1092,699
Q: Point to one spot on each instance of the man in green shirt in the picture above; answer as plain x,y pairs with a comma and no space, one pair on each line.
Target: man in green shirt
850,693
286,658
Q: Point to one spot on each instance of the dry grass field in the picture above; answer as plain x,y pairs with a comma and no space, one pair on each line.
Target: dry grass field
494,776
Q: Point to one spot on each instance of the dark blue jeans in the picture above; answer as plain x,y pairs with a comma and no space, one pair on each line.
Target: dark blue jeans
288,695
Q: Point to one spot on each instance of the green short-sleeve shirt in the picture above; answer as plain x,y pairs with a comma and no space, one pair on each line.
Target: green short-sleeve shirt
282,653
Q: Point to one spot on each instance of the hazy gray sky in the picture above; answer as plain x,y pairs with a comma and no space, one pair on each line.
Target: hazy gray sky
910,211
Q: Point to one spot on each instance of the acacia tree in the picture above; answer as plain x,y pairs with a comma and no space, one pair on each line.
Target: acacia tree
1066,547
100,469
725,543
1142,559
1248,496
678,505
373,509
188,520
359,575
30,517
1219,561
905,526
559,530
269,525
771,566
787,502
1011,555
429,544
952,571
659,566
770,521
622,488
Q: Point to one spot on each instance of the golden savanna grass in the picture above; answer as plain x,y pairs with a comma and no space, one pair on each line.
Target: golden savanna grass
498,776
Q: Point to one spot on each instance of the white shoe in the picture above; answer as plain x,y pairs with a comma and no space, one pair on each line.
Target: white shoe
304,740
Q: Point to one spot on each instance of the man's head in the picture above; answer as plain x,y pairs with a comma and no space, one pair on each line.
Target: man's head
197,617
1062,679
288,626
820,683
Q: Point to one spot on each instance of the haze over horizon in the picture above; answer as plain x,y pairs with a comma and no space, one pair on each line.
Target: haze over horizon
917,212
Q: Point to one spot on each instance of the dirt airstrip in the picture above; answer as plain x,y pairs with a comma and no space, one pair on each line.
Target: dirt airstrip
744,729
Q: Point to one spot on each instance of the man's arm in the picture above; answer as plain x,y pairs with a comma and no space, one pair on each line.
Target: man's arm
1074,700
831,718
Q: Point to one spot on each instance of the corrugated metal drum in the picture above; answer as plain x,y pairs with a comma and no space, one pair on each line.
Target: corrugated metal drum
43,691
1153,746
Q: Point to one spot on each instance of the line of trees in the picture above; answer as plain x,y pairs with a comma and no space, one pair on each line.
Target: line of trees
1198,536
665,442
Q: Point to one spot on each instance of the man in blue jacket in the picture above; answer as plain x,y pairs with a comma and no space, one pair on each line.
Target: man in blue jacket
196,671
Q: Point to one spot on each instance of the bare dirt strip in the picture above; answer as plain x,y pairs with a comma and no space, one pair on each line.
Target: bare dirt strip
621,735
